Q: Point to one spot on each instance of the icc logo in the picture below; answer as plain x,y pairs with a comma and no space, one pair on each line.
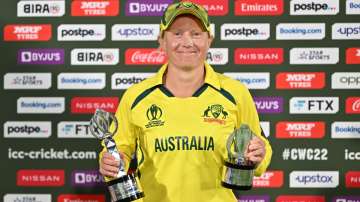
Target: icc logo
153,114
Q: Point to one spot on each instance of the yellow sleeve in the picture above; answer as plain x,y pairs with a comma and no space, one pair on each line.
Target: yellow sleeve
125,137
248,115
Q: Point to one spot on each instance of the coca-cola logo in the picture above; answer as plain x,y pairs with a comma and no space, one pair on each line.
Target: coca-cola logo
144,56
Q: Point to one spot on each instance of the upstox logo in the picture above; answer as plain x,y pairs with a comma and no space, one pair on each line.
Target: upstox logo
259,31
352,7
27,129
346,31
314,179
135,32
314,7
94,56
300,31
314,105
125,80
55,8
345,130
81,32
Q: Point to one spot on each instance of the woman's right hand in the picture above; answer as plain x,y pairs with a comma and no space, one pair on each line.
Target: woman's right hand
109,166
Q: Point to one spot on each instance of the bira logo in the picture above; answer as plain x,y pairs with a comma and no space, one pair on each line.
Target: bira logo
302,198
259,7
217,56
95,8
270,179
88,105
55,8
300,129
215,114
34,178
254,56
269,105
30,32
154,114
352,105
95,56
300,80
214,8
146,8
81,198
144,56
353,55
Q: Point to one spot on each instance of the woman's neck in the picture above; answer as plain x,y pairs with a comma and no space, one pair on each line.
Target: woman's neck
184,83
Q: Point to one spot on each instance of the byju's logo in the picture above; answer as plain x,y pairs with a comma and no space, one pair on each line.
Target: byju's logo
41,56
314,179
135,32
55,8
150,8
40,105
314,55
346,31
27,197
86,178
81,81
300,31
270,105
73,129
259,31
251,198
352,7
27,129
345,80
218,56
314,105
81,32
345,130
125,80
27,80
314,7
95,56
95,8
259,8
258,80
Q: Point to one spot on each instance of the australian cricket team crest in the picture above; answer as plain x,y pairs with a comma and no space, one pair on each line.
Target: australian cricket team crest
154,114
215,113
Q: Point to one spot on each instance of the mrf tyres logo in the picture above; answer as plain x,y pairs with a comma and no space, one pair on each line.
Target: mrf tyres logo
314,55
215,113
27,32
300,80
314,179
54,8
314,7
95,8
232,31
300,129
154,115
314,105
353,55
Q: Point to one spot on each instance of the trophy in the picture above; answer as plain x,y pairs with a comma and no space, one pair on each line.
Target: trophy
238,172
124,187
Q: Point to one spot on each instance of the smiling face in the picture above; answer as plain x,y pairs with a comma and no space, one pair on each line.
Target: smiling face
185,43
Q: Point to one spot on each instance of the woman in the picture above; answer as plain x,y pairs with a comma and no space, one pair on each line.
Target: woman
179,120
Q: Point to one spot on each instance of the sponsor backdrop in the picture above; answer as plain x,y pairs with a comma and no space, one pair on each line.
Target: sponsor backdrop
62,59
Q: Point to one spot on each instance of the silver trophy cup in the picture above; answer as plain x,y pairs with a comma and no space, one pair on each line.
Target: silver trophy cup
123,187
237,172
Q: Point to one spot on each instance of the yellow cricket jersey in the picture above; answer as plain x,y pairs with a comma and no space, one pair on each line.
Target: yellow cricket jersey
181,141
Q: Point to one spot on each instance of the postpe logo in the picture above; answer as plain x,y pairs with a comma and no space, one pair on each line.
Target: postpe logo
259,31
81,32
310,7
125,80
27,129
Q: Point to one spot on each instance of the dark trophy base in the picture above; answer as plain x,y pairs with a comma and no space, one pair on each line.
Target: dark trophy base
125,189
237,176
